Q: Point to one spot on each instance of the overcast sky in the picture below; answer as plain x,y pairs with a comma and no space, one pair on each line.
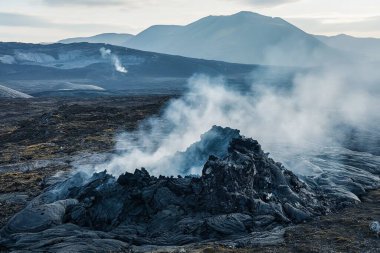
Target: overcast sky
51,20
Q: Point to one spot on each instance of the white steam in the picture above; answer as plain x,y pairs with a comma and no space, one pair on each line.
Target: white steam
309,114
107,54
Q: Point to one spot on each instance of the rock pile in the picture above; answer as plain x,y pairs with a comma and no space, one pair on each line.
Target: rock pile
240,193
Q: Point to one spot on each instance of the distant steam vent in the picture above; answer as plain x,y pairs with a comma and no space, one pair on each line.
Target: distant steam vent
107,54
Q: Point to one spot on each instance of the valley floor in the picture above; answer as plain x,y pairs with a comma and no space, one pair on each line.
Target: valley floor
40,137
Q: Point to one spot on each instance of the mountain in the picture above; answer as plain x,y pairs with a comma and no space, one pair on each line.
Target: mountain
245,37
116,39
62,69
368,47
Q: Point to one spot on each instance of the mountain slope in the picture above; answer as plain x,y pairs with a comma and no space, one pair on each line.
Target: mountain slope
368,47
244,37
100,68
116,39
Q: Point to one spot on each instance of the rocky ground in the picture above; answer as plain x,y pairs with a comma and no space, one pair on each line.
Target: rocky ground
54,129
46,128
57,130
345,231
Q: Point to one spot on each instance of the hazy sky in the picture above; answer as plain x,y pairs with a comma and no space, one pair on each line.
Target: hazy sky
51,20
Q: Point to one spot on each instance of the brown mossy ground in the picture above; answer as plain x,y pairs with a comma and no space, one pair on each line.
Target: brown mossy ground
27,183
46,128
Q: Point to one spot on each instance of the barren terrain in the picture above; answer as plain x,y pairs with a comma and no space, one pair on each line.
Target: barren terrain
44,130
40,137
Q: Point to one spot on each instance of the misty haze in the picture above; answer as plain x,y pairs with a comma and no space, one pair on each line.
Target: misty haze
169,127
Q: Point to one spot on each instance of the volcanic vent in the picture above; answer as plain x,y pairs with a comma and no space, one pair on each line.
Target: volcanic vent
241,191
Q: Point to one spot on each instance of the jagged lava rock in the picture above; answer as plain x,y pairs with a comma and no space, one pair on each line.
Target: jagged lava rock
239,192
247,180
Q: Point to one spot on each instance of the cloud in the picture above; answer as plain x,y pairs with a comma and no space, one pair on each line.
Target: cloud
335,25
269,3
13,19
265,3
21,20
86,2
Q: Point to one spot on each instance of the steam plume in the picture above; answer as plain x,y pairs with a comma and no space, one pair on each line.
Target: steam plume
107,54
314,112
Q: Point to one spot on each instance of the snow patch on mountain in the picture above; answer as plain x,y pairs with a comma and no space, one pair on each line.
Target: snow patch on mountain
7,59
34,57
11,93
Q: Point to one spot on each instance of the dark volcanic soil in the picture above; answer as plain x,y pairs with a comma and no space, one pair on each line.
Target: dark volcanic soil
46,128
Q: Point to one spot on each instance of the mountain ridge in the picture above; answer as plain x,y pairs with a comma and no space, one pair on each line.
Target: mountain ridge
244,37
116,39
36,69
248,38
368,47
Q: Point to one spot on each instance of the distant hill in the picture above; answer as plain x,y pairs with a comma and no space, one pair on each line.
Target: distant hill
105,69
368,47
116,39
245,37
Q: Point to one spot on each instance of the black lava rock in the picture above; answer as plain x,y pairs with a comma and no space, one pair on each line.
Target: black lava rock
240,191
